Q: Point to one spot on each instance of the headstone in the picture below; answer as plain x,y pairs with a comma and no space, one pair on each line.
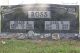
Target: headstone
40,18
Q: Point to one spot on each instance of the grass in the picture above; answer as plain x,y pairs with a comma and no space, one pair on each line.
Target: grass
30,46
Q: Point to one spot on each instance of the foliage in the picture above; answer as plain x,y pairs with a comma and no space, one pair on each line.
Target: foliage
32,46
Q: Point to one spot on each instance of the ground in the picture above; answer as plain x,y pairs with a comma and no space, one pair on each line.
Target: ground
33,46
